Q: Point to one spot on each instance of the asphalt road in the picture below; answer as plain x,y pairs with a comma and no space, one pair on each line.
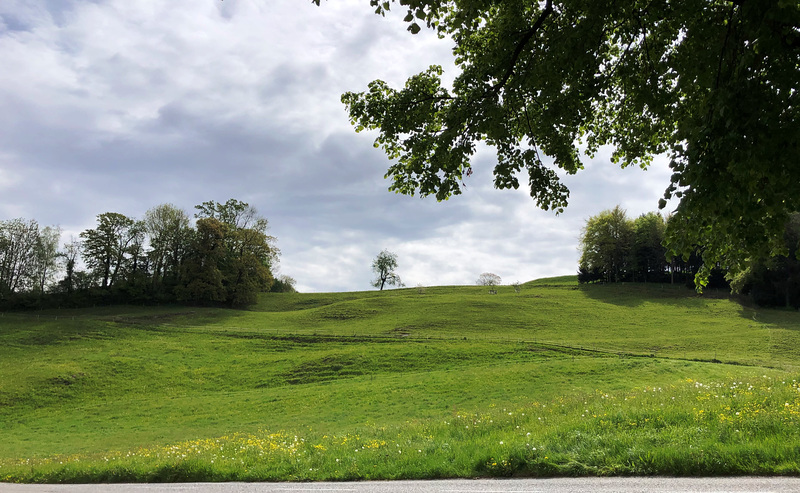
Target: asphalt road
560,485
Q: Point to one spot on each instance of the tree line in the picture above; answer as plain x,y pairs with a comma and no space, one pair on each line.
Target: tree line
616,248
225,258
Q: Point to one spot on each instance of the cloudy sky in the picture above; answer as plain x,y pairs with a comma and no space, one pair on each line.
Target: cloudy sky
120,105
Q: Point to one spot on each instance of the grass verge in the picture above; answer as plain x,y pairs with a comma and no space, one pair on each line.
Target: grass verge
689,429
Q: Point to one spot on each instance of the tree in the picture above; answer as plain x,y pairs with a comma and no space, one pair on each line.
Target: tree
136,271
106,247
45,257
384,267
283,284
240,215
18,242
168,229
491,280
248,268
70,254
249,252
202,279
607,245
711,83
237,214
650,255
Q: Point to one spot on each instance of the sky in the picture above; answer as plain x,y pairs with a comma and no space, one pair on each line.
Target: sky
120,105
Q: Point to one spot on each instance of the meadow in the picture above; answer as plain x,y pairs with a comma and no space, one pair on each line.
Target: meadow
558,379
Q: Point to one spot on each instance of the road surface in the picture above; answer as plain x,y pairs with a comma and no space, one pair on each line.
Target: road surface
554,485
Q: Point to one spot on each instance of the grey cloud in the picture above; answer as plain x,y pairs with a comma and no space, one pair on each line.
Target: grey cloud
291,78
238,100
26,15
11,22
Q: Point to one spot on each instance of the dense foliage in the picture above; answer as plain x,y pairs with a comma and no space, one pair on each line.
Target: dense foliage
775,280
227,258
710,83
615,248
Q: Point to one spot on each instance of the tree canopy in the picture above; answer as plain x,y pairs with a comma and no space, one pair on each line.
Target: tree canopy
709,83
607,244
107,247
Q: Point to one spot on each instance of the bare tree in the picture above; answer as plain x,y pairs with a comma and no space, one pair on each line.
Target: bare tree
491,280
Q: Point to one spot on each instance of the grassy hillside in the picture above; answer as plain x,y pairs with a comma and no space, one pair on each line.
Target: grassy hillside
113,393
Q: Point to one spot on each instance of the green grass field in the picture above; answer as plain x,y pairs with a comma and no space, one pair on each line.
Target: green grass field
558,379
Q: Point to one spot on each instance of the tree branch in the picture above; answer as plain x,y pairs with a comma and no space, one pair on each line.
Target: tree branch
548,9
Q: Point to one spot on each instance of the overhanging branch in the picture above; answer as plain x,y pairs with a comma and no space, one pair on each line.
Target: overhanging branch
548,9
